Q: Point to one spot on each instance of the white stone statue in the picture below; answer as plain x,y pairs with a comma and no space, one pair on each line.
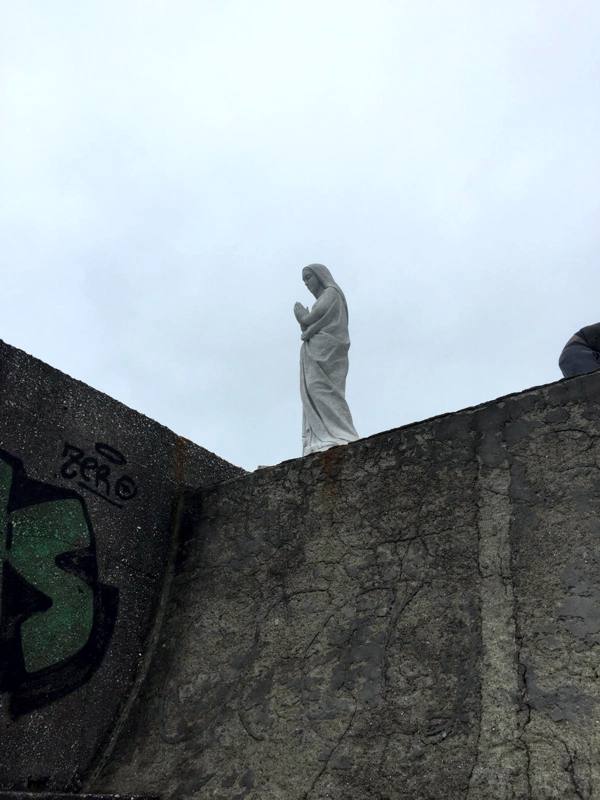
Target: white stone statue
326,418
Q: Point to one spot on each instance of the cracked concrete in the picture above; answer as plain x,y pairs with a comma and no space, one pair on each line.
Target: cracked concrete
415,615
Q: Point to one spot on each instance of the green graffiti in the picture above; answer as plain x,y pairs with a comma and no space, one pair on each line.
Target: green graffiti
5,484
36,536
56,618
39,534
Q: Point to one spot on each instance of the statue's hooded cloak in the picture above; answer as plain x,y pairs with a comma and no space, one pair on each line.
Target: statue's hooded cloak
323,368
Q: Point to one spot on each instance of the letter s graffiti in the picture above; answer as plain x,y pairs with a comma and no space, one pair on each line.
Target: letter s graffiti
56,618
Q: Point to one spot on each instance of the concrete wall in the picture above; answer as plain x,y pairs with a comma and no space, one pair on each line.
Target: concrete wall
88,516
415,615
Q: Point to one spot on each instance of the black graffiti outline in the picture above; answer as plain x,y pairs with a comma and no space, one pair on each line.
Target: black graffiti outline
20,599
125,493
99,494
89,469
110,453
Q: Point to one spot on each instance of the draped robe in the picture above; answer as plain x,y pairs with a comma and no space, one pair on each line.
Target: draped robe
326,418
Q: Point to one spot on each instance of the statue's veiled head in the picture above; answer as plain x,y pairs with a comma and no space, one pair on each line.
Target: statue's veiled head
312,280
318,278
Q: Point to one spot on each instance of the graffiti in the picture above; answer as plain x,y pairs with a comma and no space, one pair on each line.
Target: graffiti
97,475
56,619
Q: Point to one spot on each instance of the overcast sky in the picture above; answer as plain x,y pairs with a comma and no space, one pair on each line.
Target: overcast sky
167,168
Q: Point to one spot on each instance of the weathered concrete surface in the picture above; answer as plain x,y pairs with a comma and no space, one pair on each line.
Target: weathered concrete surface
60,796
88,523
415,615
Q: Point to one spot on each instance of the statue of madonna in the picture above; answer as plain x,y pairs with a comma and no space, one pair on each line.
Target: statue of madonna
326,418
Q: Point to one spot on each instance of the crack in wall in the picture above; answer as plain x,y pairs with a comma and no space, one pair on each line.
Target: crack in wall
332,752
571,770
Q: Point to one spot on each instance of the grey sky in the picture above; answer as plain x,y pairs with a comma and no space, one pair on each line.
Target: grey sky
167,168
